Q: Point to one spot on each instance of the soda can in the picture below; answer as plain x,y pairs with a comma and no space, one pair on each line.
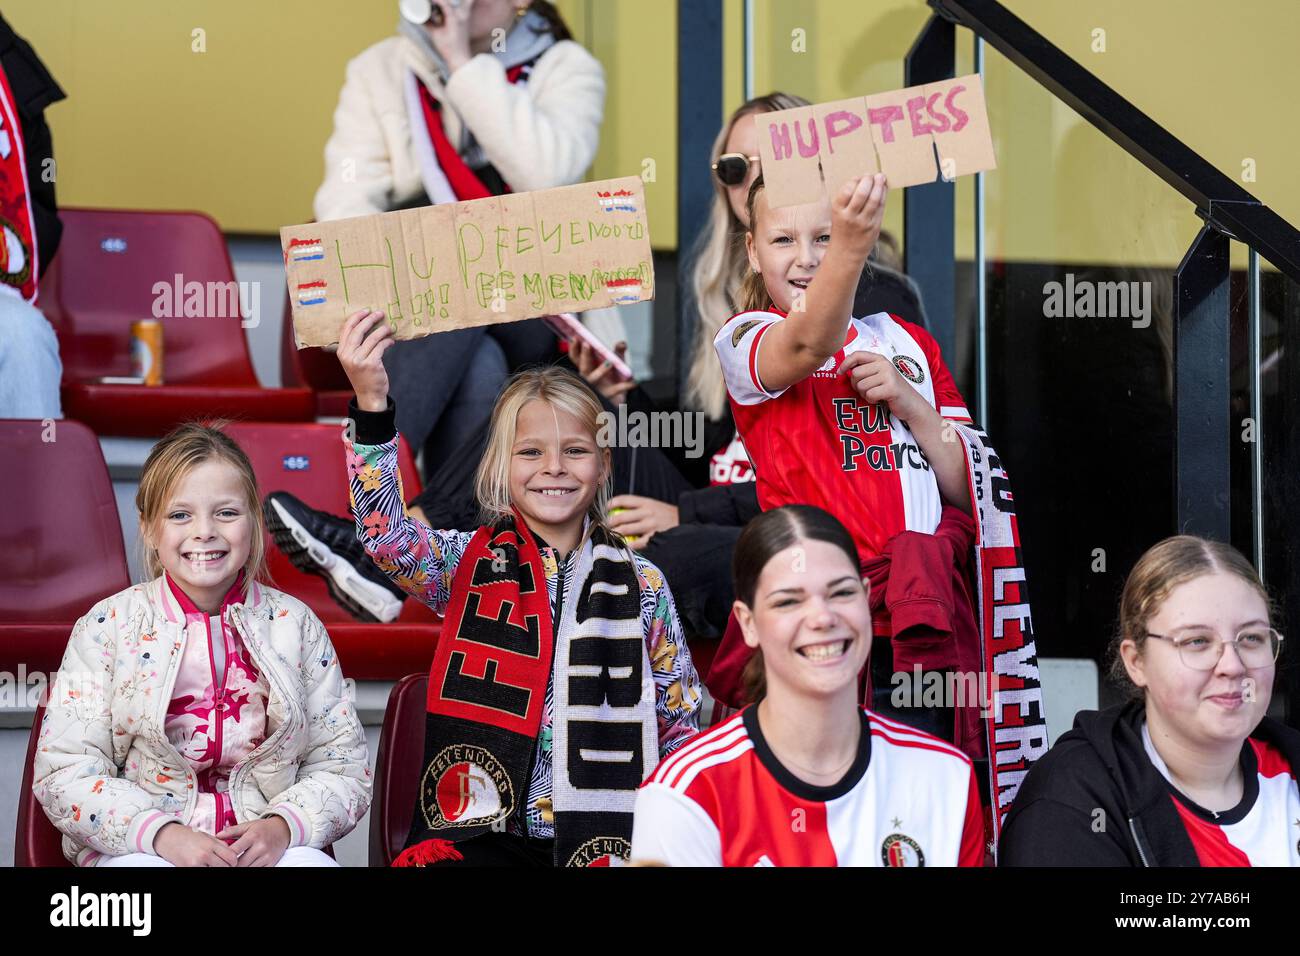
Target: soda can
147,351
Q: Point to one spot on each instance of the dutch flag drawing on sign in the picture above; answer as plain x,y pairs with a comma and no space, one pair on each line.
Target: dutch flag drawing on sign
311,293
305,250
624,291
620,201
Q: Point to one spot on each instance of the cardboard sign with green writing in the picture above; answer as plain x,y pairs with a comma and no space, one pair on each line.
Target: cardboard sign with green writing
480,262
914,135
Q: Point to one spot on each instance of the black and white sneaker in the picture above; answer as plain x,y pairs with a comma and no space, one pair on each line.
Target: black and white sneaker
326,545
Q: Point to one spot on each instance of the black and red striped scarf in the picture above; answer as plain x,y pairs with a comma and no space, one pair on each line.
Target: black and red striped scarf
487,691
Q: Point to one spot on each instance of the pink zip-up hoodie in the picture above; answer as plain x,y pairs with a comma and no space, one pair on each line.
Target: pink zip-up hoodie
217,715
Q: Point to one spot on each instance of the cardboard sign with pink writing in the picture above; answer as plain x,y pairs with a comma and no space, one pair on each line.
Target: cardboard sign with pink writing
915,135
480,262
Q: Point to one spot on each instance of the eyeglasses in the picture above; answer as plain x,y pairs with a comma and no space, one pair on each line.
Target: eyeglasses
1255,646
732,168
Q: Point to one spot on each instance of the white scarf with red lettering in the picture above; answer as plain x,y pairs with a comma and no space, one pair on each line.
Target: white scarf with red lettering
1016,725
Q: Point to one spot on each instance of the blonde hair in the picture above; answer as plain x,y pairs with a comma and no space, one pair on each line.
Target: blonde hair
753,295
174,457
718,266
558,388
1162,568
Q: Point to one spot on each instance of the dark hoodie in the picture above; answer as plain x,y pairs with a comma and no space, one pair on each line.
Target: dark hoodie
1101,765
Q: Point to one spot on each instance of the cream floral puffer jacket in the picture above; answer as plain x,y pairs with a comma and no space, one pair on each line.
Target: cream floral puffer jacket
538,135
106,773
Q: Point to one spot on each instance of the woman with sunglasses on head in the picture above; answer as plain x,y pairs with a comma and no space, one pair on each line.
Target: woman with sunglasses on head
690,522
1190,772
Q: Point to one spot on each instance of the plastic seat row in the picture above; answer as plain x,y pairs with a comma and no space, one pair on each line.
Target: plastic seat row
115,267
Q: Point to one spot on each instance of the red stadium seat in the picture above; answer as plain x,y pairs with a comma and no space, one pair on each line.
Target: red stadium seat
61,545
36,842
315,368
113,266
398,768
307,461
61,552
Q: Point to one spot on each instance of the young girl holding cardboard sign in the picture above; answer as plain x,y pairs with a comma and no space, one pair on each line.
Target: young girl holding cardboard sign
561,677
850,414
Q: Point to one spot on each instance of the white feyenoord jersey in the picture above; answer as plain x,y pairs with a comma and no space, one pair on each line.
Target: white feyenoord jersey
1258,831
723,799
818,442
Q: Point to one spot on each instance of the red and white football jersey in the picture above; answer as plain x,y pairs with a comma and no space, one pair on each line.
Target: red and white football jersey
723,799
1259,830
817,442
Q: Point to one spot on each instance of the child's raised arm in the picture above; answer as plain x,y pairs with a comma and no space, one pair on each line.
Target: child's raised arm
363,340
417,558
794,349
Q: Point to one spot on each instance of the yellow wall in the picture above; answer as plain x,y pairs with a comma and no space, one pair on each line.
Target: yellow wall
1219,76
639,53
1063,191
237,131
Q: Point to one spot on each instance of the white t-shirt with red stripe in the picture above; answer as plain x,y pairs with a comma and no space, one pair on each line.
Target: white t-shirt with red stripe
817,442
723,799
1261,830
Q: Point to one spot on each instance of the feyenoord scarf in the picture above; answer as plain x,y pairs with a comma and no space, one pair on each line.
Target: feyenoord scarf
1016,727
487,689
18,262
446,176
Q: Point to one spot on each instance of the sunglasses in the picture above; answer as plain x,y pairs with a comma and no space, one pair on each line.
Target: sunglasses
732,168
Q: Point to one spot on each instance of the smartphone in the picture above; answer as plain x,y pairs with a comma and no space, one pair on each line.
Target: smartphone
568,327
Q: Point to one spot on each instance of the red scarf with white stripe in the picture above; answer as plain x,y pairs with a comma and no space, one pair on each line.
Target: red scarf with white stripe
18,260
464,182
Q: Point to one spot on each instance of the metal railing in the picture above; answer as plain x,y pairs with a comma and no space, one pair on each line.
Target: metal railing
1201,282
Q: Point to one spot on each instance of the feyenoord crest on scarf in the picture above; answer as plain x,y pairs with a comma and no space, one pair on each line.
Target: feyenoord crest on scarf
487,691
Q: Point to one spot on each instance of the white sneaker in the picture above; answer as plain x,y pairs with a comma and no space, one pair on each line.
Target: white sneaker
362,598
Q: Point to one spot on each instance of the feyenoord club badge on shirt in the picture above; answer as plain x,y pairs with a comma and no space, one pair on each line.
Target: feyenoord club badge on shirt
909,368
900,850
